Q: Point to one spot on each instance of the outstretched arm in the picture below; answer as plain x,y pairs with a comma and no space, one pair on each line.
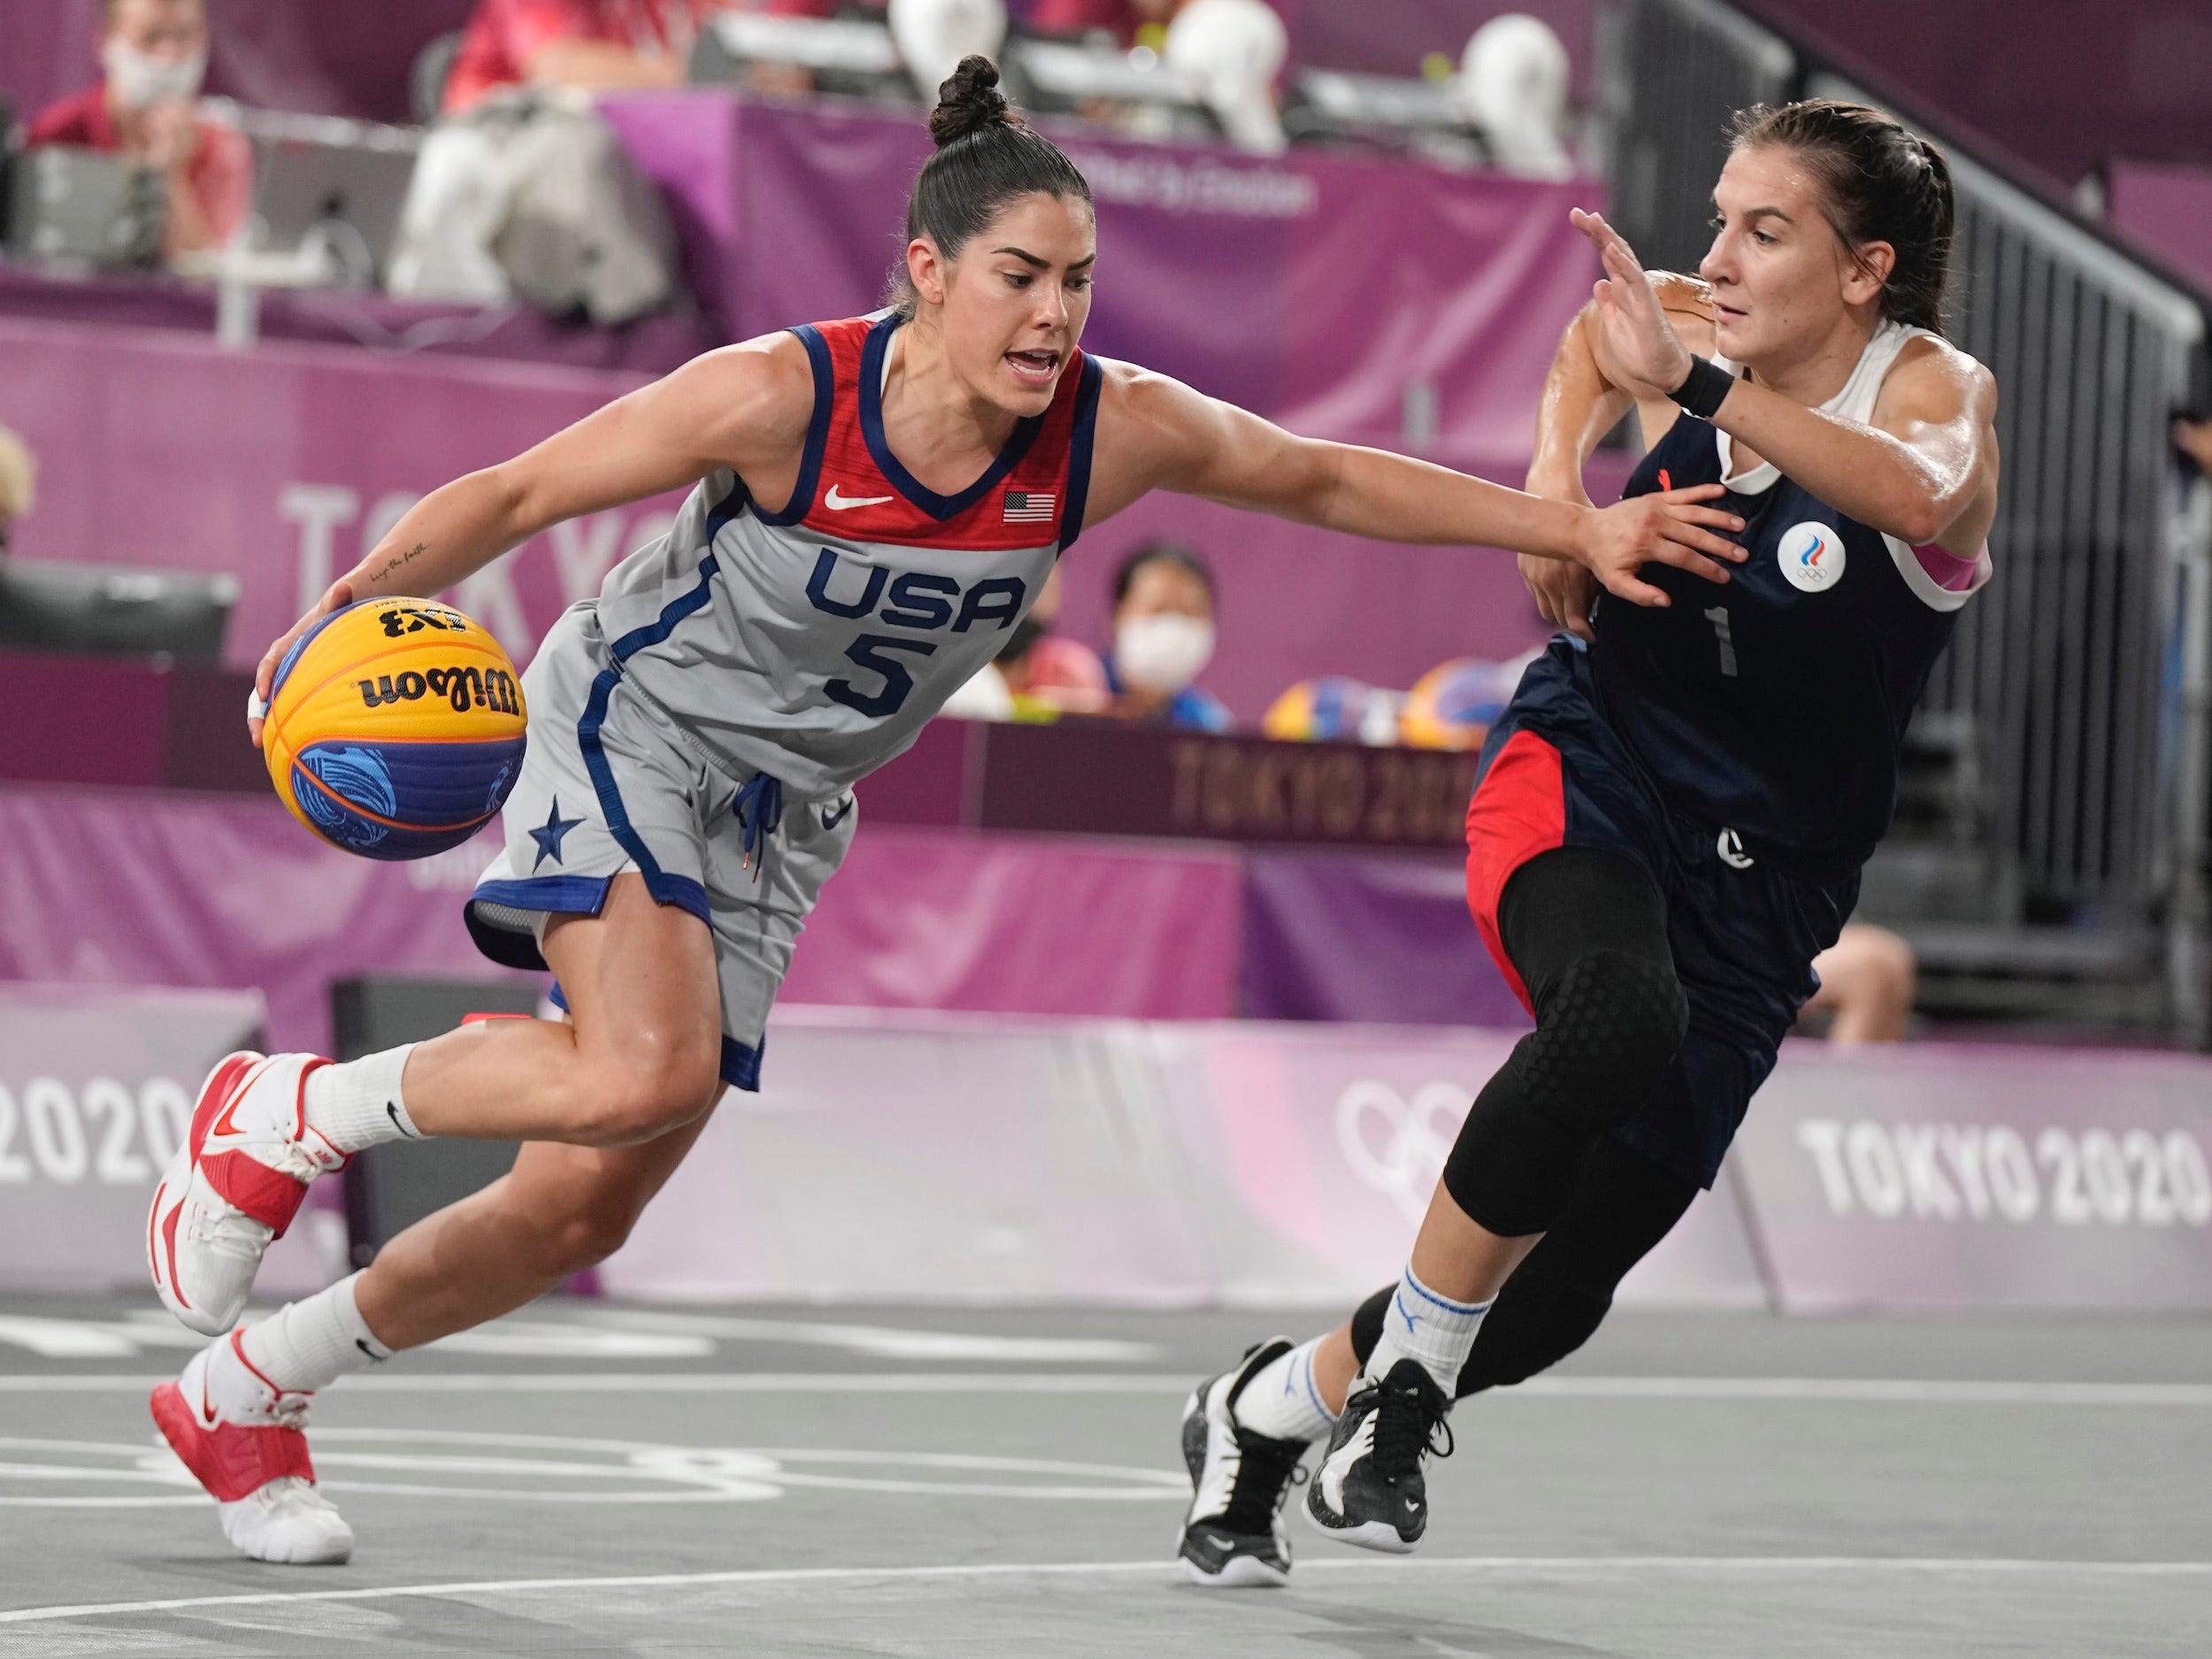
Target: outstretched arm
1924,467
1584,397
743,405
1158,433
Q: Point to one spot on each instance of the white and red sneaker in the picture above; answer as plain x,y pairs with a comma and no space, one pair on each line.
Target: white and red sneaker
242,1437
234,1186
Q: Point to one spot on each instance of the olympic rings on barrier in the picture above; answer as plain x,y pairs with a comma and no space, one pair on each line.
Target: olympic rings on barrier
1396,1146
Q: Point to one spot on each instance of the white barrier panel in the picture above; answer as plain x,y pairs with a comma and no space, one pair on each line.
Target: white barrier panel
97,1086
1962,1177
948,1157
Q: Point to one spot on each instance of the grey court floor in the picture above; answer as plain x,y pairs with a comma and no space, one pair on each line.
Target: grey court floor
590,1479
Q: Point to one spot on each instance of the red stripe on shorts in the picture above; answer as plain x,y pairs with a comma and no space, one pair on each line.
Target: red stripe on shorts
1518,810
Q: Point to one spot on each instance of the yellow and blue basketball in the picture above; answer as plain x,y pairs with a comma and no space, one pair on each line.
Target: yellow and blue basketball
1330,709
1453,705
395,728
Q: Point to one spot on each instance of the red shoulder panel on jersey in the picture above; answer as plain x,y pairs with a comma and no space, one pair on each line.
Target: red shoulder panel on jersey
1032,495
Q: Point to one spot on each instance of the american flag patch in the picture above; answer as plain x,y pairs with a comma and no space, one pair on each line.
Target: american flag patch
1028,506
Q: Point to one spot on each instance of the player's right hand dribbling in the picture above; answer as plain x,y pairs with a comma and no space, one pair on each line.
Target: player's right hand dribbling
1669,527
339,596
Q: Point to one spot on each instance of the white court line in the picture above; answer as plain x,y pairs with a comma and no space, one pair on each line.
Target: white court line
1167,1571
1864,1390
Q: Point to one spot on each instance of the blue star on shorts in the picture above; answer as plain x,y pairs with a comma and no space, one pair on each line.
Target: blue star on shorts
549,838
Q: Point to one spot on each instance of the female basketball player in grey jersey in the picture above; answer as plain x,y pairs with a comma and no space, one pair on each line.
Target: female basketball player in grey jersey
876,502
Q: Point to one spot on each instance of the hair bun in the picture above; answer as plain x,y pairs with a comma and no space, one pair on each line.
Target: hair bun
969,101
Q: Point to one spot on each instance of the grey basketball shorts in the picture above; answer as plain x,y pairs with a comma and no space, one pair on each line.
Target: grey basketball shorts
609,785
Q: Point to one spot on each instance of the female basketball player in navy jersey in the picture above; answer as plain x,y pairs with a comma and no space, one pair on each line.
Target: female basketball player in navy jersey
1671,816
878,501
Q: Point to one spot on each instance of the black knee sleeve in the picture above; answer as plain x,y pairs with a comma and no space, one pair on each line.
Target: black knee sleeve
1607,1024
1557,1298
1588,932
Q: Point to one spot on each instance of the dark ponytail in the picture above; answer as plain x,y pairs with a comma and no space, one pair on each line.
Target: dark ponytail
1881,184
987,156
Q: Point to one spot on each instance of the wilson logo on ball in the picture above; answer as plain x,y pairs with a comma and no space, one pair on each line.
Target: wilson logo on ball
463,688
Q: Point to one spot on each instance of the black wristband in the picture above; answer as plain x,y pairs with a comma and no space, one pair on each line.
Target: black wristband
1705,387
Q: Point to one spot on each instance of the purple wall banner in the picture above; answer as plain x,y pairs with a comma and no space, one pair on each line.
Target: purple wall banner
1013,924
96,1087
131,887
1934,1177
1379,940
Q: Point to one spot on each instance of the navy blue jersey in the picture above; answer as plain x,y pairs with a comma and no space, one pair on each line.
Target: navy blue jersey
1774,705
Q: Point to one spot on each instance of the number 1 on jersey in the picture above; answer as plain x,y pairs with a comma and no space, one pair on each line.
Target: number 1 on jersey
1718,616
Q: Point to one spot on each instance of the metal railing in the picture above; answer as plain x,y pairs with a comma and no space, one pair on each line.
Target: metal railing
2080,669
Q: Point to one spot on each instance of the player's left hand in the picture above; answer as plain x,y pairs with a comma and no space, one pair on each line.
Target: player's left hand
1670,527
1643,340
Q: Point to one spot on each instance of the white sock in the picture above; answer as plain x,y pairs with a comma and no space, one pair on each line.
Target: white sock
1419,1325
357,1103
1281,1401
308,1345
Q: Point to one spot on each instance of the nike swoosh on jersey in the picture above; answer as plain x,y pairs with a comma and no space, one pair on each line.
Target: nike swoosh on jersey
836,502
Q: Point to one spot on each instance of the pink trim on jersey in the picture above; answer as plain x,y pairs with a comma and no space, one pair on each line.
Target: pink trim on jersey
1949,571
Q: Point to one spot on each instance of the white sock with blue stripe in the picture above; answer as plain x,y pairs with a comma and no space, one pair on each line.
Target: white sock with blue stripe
1281,1402
1434,1329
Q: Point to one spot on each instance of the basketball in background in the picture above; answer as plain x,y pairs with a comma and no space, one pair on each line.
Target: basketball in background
1333,709
1453,705
395,728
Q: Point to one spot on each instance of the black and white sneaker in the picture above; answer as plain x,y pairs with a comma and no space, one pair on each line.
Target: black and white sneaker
1369,1489
1233,1537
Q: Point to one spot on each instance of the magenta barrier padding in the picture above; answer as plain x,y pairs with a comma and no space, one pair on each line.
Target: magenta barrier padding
100,1084
48,696
2168,210
941,1157
1955,1176
1381,940
131,888
1008,924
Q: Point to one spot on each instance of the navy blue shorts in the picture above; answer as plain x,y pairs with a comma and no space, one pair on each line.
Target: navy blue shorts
1743,934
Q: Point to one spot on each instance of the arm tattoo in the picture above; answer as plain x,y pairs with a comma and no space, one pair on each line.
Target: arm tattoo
398,561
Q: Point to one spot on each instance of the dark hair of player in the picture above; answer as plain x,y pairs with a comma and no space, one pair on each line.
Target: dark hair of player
987,156
1882,184
1161,553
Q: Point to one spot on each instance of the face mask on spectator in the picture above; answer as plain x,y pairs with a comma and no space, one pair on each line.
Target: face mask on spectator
140,80
1164,653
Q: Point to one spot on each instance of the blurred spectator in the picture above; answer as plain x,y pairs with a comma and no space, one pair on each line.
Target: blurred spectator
934,36
2193,439
1232,50
593,45
1164,636
1866,985
1513,85
1038,674
18,478
153,56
